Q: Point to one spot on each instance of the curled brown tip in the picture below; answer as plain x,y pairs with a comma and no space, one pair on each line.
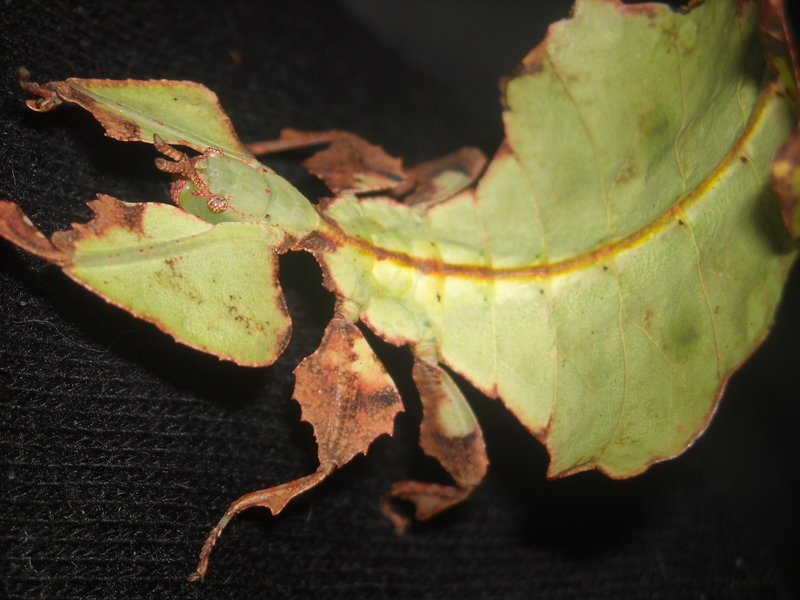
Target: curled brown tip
42,97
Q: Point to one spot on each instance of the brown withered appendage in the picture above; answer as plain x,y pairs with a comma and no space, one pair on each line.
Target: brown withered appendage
450,433
347,164
347,397
41,97
274,498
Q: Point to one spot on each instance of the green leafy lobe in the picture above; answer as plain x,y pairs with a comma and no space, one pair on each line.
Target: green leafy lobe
212,287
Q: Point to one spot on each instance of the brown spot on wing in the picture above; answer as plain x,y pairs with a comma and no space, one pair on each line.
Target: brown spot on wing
109,213
116,126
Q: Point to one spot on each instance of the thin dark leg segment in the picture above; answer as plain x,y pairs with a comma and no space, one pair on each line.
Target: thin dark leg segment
274,498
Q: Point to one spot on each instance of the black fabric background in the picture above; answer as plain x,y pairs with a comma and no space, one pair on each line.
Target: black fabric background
120,449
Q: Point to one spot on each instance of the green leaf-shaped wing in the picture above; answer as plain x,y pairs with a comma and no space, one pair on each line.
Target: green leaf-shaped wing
623,253
212,287
180,112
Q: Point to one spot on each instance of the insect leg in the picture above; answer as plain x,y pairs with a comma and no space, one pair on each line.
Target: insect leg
348,163
274,498
450,433
437,180
292,139
183,168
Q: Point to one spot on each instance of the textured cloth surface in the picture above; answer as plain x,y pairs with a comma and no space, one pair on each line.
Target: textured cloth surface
120,449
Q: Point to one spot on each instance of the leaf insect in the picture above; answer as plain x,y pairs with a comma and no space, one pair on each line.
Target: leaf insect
607,310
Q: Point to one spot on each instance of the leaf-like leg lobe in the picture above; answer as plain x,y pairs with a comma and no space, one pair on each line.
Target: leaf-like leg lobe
437,180
786,182
450,433
274,498
351,164
348,164
345,393
348,398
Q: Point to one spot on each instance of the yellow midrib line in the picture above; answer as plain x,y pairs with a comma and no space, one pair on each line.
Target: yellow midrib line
339,237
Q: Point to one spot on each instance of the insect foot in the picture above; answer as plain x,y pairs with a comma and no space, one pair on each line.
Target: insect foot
184,169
